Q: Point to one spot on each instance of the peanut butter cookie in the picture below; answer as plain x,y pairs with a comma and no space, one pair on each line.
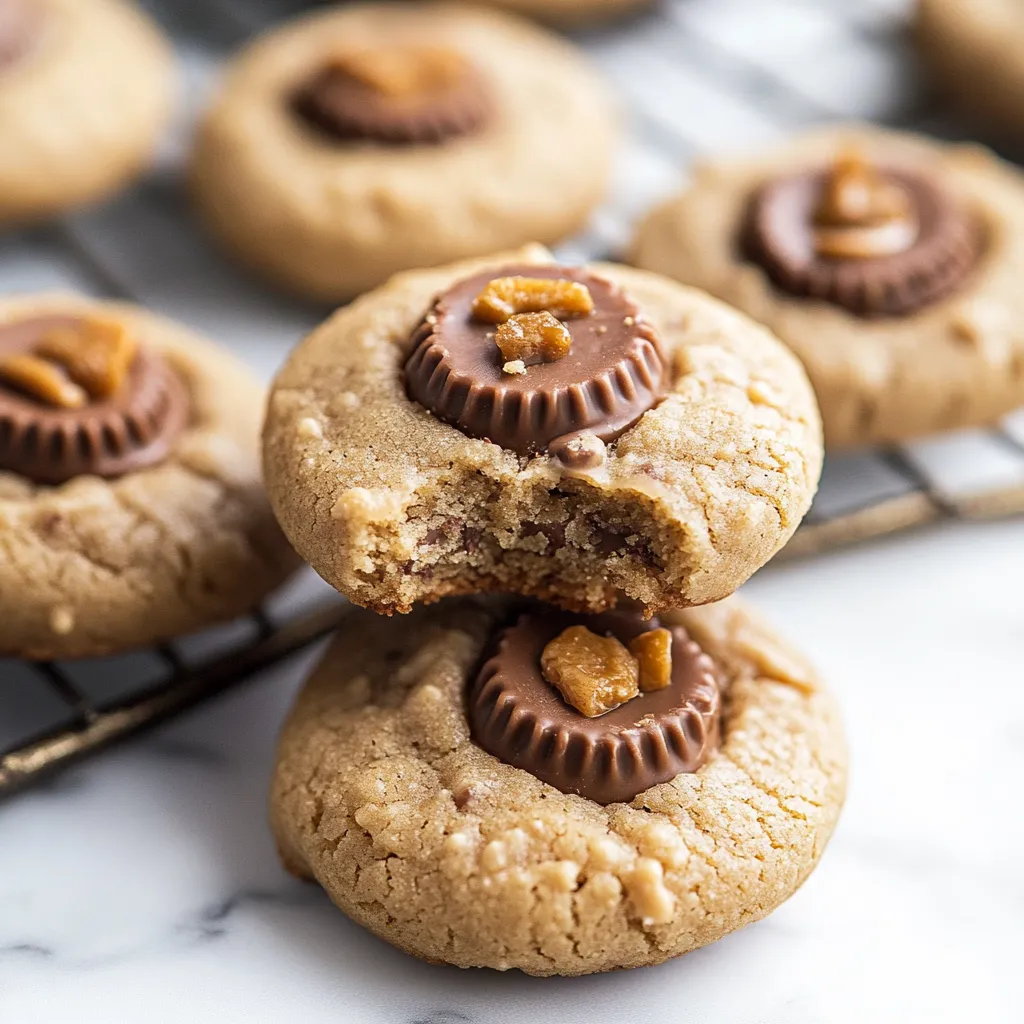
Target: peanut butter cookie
131,509
523,834
973,51
373,138
887,262
573,434
86,88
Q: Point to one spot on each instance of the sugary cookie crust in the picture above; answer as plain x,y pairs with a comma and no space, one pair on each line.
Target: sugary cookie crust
972,48
957,363
95,566
82,111
330,220
393,506
421,836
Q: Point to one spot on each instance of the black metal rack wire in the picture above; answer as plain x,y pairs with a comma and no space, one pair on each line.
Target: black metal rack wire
862,496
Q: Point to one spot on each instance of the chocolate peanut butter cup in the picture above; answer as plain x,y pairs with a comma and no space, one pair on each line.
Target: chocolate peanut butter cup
396,95
51,440
877,241
614,371
520,718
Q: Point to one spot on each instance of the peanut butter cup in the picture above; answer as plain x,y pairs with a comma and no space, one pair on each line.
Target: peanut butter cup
521,718
397,95
877,241
78,398
611,371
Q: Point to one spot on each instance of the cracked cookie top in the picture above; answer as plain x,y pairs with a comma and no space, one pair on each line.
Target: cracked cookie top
378,779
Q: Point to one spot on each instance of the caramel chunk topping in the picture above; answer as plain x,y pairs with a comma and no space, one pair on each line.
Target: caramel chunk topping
861,214
592,673
71,365
43,380
653,652
401,72
533,338
505,297
96,354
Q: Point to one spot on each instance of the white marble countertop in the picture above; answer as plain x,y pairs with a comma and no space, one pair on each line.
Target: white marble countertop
145,887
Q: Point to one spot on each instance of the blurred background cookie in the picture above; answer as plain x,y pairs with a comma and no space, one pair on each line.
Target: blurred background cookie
131,508
86,89
974,53
514,425
574,13
888,263
369,139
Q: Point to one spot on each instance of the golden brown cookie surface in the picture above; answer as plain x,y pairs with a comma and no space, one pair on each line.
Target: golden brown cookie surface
417,833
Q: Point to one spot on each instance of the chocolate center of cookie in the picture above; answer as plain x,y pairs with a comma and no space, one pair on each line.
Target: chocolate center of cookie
601,379
875,241
78,398
396,94
20,23
522,719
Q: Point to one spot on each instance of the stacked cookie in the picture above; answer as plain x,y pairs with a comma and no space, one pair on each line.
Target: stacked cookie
551,758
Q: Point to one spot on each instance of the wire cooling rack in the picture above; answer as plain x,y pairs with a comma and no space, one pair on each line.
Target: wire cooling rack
696,77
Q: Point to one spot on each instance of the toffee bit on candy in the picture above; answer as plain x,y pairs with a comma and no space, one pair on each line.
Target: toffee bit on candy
532,338
653,652
43,380
504,297
595,674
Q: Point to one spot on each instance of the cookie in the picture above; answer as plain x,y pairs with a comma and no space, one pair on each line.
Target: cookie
630,436
86,89
361,141
972,51
131,509
888,263
386,794
574,13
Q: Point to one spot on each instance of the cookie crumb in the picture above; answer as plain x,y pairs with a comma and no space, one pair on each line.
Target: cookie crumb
652,899
514,366
62,620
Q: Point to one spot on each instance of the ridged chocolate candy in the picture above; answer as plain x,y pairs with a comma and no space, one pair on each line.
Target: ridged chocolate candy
132,429
520,718
347,109
779,235
615,370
